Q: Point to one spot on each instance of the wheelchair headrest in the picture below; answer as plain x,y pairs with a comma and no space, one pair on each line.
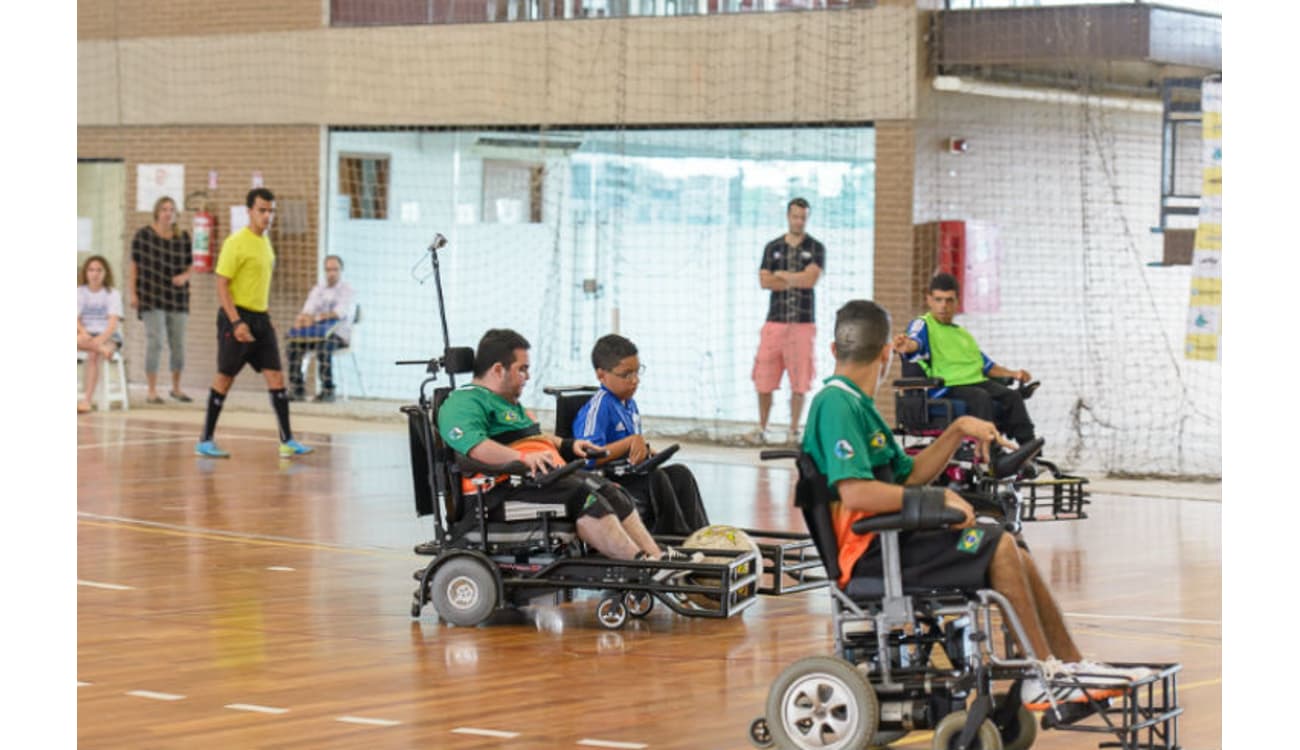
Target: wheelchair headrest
458,359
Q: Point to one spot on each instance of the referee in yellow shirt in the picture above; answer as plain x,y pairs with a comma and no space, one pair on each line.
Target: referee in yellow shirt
244,331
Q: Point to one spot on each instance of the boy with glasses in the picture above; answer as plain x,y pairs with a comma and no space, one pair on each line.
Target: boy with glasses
667,498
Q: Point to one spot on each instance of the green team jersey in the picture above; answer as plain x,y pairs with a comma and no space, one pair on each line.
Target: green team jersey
848,439
472,414
954,355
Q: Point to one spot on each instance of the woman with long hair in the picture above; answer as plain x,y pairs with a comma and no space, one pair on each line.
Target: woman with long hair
161,259
99,314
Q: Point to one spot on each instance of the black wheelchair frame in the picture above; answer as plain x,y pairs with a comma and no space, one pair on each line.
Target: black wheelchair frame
1027,496
480,566
910,660
789,558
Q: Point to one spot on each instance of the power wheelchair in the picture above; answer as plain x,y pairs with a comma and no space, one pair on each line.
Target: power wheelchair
1013,497
480,566
790,562
913,659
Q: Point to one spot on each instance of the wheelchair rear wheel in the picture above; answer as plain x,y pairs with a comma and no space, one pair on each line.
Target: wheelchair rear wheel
464,591
822,703
949,729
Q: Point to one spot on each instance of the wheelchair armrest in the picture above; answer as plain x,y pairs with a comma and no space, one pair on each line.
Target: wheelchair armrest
896,522
518,469
905,384
653,462
1009,464
560,390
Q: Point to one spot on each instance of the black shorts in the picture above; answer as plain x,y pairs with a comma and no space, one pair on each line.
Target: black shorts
947,558
261,354
581,493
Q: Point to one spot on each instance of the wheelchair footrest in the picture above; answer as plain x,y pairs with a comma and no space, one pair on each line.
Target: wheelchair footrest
1143,717
1059,499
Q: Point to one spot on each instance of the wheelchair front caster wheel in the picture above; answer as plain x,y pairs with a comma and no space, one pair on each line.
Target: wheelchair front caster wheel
949,729
611,612
759,736
638,603
415,609
1021,732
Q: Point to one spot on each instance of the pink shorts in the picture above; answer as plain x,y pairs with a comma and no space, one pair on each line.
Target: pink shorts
784,347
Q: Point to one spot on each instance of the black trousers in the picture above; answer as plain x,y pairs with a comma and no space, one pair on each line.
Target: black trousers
1011,418
324,349
668,500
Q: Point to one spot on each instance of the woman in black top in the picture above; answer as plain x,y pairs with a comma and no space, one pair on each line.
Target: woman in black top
161,260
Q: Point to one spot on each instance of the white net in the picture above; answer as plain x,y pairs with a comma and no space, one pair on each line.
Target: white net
624,175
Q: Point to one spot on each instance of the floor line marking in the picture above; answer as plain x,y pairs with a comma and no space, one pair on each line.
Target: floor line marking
368,722
155,696
485,732
149,441
156,527
109,586
611,743
256,708
84,684
281,568
1144,618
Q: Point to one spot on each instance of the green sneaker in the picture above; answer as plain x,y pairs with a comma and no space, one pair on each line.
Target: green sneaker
291,448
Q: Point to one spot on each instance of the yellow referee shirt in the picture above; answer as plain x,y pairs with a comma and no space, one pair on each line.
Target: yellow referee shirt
247,260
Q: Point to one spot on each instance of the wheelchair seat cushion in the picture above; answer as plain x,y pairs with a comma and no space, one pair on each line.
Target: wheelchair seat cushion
943,559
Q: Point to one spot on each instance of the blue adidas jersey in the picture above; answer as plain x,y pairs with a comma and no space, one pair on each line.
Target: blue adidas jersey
605,419
920,333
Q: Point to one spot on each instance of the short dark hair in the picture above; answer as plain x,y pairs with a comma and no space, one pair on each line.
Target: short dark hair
943,282
256,193
335,258
800,202
861,330
610,350
498,345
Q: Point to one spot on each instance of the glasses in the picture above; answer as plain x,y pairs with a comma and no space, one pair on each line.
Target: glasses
630,375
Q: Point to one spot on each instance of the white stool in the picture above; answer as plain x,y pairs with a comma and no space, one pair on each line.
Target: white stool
106,392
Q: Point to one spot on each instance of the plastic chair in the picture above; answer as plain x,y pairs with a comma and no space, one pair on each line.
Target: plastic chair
106,391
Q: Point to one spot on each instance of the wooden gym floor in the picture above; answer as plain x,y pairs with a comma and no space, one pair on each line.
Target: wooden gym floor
255,603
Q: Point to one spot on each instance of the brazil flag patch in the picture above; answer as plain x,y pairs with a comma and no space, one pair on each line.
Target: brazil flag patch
970,541
878,440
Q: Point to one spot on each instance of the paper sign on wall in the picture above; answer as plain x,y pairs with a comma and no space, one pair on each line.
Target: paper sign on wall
153,181
238,218
85,234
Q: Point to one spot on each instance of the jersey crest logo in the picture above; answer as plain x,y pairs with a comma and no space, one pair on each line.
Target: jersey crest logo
805,255
620,428
843,449
456,433
970,541
509,416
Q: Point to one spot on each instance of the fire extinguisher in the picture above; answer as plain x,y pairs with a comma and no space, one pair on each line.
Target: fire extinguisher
205,229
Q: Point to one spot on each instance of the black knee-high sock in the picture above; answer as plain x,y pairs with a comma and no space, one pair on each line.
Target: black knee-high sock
215,402
280,402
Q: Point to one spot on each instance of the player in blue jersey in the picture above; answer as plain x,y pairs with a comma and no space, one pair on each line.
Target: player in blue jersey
668,498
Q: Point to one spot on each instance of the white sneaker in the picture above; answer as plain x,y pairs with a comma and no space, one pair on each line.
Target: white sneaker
772,437
1078,682
1096,673
794,437
675,555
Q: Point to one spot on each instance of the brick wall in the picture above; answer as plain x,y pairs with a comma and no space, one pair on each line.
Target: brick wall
107,19
287,157
896,268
